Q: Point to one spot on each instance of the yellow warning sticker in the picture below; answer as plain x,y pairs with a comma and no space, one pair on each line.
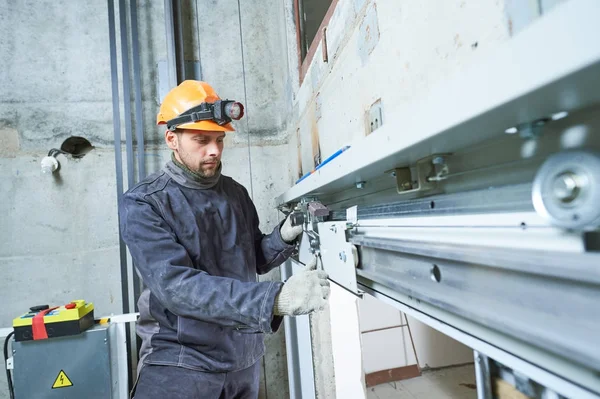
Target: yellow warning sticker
62,381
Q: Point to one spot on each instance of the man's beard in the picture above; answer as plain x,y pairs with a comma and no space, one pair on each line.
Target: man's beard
199,169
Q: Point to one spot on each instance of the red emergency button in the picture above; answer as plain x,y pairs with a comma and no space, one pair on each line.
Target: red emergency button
70,306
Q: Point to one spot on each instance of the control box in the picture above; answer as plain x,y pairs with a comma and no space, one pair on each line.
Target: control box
43,322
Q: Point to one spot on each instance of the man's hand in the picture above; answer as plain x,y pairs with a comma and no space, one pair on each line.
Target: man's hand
303,293
288,232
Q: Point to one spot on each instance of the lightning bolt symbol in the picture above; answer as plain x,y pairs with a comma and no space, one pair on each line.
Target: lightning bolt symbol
61,379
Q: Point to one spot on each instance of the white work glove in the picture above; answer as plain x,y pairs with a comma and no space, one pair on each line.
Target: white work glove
288,232
303,293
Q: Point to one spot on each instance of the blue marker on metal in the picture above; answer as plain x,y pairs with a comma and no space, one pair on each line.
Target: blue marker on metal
334,155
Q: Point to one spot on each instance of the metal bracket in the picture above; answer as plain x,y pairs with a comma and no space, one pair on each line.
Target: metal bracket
338,255
428,172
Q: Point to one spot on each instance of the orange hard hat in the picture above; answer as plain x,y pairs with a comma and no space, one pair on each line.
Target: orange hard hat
189,94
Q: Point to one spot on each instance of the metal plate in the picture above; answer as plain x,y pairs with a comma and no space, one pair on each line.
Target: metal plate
84,359
337,255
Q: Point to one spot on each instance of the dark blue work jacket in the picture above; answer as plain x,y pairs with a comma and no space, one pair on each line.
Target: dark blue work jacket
198,251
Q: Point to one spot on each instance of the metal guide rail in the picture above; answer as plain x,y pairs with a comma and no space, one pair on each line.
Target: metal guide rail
509,279
484,221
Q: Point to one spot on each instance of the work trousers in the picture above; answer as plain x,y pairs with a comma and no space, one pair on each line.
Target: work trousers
166,382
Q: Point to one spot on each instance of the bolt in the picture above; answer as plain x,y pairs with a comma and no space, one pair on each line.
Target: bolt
438,160
533,129
406,185
565,187
314,243
360,184
343,256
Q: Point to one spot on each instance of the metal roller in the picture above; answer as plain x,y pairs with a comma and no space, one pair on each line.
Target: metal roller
566,190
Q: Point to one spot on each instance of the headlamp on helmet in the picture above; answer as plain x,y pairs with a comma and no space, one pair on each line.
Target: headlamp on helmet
220,111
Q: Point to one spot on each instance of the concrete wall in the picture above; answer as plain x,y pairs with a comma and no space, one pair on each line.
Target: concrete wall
396,52
59,236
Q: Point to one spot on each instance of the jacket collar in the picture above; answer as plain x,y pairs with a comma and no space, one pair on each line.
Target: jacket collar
184,176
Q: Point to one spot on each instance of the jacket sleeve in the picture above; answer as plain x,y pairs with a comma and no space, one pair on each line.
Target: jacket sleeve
167,270
271,250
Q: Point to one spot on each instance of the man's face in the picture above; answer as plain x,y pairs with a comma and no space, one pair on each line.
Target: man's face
199,151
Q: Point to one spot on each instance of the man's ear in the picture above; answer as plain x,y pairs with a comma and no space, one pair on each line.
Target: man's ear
171,139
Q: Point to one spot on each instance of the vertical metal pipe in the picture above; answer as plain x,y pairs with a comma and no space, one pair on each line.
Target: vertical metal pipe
199,74
118,166
482,376
126,92
247,117
171,54
123,10
178,34
135,50
139,132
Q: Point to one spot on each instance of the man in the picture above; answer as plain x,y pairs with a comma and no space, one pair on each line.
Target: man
194,238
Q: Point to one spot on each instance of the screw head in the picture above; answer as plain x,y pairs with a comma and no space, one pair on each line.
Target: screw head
565,187
406,185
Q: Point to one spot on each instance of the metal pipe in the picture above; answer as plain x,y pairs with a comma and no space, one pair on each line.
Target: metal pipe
128,124
171,52
118,167
139,133
178,35
126,92
482,376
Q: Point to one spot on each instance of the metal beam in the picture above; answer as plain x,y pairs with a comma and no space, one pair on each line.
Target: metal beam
532,79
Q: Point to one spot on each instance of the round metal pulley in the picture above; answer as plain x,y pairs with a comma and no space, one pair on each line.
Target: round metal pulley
566,190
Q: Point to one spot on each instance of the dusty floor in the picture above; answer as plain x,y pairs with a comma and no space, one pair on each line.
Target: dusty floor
449,383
